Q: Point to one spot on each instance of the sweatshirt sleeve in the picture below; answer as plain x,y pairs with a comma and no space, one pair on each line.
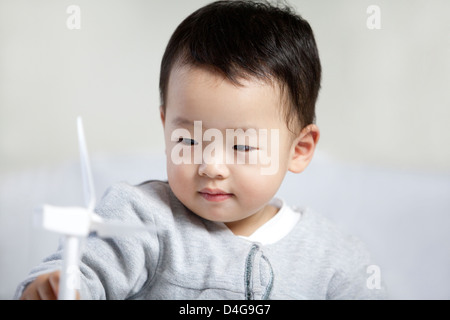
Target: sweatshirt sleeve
356,277
117,267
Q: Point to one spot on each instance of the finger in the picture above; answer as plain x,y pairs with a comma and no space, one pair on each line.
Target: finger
45,291
54,282
30,293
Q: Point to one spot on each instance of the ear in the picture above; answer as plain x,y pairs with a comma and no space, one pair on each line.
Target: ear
162,115
303,148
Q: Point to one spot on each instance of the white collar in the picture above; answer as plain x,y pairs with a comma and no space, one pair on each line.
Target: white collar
278,226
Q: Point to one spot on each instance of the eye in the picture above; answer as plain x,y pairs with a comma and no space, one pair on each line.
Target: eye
187,141
243,148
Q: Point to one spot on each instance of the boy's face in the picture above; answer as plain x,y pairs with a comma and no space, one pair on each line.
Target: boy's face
219,172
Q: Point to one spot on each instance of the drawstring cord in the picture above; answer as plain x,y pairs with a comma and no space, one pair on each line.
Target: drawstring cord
249,271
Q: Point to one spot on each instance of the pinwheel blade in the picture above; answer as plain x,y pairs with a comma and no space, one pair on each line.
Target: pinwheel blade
88,184
110,228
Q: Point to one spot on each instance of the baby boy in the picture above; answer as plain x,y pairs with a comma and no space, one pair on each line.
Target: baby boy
239,83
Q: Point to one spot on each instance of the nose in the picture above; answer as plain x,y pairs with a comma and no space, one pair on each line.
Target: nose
213,170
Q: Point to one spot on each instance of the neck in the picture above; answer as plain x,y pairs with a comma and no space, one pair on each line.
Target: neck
247,226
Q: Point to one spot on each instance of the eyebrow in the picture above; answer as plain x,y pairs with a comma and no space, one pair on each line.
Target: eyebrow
181,121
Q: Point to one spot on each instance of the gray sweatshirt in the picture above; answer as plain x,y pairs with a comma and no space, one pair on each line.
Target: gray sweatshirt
189,257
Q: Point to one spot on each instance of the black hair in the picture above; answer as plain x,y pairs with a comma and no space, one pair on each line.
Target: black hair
244,39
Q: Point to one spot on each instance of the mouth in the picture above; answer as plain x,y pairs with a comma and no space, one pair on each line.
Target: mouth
215,195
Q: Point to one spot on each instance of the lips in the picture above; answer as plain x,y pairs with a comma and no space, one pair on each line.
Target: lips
215,195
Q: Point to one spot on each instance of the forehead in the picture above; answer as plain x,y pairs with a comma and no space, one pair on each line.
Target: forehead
201,94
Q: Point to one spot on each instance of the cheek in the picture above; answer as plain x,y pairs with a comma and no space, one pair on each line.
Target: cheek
180,178
254,186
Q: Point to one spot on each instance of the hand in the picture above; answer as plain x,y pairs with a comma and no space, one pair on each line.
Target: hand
44,287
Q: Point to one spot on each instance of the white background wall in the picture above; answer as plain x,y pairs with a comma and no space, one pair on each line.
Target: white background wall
385,95
385,98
